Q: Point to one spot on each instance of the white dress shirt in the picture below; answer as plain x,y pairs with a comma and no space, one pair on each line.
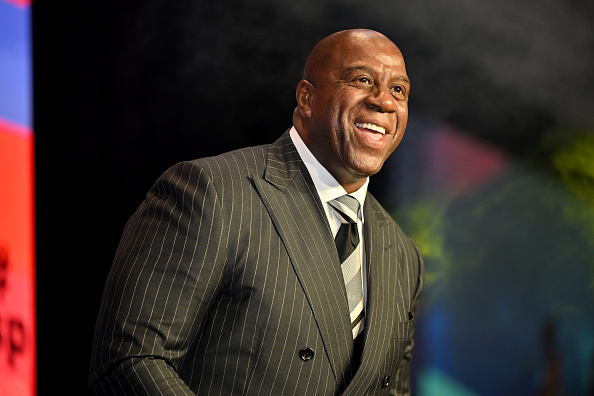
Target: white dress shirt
328,189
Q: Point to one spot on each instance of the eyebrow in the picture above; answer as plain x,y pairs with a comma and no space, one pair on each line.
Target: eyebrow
371,71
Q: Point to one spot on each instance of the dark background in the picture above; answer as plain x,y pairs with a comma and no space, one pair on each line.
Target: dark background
123,91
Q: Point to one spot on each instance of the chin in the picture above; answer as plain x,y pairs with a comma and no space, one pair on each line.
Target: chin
369,166
366,171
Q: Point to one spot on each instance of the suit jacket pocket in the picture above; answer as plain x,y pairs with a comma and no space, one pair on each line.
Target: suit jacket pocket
404,330
403,340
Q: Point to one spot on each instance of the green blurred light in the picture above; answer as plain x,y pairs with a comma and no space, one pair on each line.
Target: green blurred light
433,382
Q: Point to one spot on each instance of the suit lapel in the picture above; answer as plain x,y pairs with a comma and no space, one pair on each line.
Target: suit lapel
379,286
381,289
289,195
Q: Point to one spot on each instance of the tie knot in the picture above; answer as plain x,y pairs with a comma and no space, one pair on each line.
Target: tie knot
347,206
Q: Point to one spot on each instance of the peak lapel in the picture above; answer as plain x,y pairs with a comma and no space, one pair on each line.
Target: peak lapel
290,197
381,295
380,282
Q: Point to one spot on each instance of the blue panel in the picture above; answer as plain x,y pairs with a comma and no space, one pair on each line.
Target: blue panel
15,64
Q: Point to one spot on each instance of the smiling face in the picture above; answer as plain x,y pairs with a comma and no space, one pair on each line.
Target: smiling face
353,104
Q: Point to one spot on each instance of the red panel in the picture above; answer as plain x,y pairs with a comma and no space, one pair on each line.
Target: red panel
20,3
17,258
458,163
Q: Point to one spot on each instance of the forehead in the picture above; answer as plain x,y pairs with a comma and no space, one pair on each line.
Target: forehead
379,55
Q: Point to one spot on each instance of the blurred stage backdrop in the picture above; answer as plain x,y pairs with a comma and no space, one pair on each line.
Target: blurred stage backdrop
494,179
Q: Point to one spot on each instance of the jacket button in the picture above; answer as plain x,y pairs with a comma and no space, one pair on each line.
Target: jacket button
306,354
386,381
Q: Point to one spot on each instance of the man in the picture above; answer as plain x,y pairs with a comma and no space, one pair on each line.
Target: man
228,279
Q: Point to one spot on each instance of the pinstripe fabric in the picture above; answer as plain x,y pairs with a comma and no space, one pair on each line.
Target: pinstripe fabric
228,269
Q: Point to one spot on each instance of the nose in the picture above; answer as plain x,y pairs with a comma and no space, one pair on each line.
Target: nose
381,100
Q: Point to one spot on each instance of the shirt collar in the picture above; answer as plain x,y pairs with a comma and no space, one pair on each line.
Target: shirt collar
326,185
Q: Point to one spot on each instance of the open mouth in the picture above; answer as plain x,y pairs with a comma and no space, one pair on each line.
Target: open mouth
371,127
375,132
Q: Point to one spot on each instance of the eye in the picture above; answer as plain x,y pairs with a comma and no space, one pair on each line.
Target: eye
364,80
399,92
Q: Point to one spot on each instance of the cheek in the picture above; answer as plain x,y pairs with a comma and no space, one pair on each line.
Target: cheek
403,113
401,121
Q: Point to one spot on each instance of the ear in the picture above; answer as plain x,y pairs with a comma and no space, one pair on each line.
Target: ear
305,95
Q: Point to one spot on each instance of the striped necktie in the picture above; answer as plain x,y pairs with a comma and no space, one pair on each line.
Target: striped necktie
349,252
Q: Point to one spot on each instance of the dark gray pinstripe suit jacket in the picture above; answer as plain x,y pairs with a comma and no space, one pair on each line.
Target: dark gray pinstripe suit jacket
228,269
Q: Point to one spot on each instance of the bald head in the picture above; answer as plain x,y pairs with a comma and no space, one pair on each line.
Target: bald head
328,50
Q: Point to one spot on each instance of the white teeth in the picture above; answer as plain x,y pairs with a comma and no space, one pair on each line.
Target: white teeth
373,127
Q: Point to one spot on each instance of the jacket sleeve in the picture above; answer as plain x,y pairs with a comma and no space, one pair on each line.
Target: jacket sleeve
167,270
